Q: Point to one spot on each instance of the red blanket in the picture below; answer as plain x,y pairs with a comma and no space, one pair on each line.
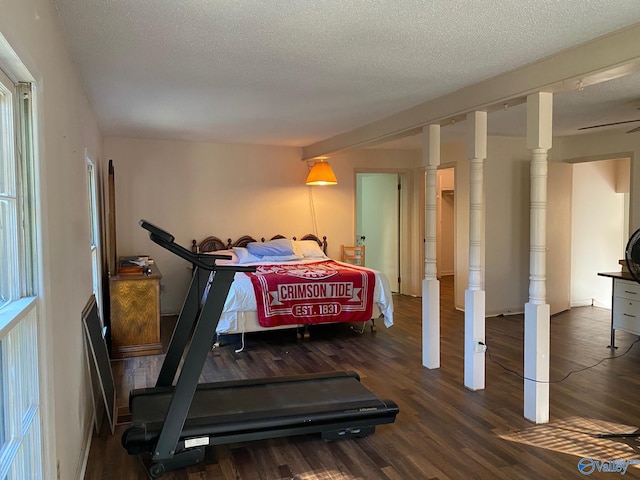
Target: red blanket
319,292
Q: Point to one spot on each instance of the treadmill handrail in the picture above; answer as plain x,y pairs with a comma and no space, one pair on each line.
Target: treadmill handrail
166,240
196,355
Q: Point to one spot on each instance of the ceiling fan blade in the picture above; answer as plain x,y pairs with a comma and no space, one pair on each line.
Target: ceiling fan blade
609,124
637,129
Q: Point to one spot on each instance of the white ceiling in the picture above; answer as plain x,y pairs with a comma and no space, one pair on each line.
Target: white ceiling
294,72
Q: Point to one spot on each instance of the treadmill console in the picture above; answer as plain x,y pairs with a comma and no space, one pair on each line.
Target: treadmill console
164,235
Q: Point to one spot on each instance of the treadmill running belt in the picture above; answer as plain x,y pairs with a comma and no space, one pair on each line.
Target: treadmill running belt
255,407
257,400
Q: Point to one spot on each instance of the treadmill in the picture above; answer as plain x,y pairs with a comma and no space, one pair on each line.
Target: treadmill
175,422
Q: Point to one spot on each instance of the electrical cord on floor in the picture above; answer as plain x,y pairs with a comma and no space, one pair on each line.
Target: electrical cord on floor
567,375
238,350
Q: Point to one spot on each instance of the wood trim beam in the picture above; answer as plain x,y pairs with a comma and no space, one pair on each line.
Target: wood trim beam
604,58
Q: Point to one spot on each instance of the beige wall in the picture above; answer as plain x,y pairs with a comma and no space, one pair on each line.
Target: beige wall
66,126
198,189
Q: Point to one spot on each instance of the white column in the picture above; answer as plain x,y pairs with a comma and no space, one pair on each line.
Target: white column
474,296
430,284
536,311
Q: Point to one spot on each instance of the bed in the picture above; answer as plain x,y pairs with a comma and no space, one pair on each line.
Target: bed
361,299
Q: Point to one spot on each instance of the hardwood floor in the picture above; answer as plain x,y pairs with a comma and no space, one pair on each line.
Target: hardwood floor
443,431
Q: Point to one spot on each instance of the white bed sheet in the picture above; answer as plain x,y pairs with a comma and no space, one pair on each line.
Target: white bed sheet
240,309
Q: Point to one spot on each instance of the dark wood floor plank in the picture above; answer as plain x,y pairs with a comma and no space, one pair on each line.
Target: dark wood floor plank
443,431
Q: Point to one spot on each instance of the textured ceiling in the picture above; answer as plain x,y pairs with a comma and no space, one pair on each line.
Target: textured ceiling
296,72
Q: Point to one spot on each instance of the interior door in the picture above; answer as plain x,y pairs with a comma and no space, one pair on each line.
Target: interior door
378,220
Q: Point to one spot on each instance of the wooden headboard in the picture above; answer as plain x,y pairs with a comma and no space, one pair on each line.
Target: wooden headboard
212,243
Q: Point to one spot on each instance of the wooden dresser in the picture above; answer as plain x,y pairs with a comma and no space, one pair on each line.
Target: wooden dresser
135,314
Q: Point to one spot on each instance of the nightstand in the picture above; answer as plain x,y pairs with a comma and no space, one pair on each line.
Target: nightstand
135,314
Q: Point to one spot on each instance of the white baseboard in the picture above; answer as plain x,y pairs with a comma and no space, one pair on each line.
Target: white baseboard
582,303
508,313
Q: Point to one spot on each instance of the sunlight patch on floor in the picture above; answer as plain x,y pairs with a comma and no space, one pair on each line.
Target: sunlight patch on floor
579,436
324,475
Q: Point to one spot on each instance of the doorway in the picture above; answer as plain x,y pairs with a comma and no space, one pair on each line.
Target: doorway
378,222
599,228
445,227
445,222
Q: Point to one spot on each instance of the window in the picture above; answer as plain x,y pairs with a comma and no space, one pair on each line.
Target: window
9,281
95,231
3,436
20,433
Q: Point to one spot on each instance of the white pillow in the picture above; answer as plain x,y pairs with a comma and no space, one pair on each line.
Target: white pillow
231,253
244,256
308,249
